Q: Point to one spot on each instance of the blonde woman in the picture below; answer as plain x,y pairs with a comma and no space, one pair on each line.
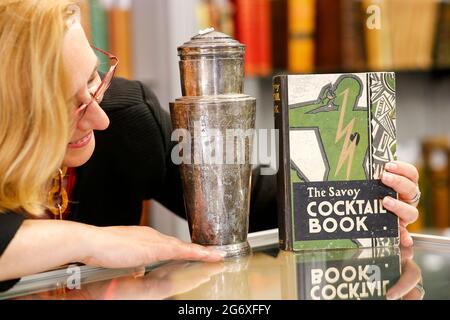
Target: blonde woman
49,108
49,95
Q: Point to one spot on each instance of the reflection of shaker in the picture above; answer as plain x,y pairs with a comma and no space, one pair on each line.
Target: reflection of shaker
220,120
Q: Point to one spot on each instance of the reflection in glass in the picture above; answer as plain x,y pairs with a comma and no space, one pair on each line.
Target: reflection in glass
339,274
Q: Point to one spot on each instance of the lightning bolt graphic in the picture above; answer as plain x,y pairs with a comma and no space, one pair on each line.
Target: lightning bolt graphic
349,146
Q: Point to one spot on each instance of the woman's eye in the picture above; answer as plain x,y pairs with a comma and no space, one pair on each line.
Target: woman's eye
93,80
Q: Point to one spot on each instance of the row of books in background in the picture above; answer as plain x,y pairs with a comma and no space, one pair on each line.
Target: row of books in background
304,36
107,26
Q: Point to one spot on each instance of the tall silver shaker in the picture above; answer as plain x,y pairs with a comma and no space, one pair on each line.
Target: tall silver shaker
216,182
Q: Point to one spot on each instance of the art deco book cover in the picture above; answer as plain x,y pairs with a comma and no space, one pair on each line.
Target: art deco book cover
337,131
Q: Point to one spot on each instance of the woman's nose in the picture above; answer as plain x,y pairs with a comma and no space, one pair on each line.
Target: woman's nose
94,118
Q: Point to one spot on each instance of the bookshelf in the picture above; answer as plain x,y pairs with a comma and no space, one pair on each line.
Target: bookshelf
324,41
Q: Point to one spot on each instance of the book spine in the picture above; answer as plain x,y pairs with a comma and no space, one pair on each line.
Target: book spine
85,22
442,38
99,30
301,28
279,32
281,113
328,35
352,34
378,40
247,33
264,38
120,37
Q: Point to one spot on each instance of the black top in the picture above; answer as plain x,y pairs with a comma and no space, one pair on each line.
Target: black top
131,163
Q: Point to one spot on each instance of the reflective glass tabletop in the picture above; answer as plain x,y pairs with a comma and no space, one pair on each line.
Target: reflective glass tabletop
422,272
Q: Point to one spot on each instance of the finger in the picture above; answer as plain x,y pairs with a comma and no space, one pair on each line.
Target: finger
407,213
407,281
404,169
173,248
414,294
189,251
406,189
405,238
407,252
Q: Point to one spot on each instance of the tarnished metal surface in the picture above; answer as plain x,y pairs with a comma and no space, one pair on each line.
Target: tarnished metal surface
211,64
216,194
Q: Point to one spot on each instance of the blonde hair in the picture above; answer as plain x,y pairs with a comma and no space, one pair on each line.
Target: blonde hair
34,108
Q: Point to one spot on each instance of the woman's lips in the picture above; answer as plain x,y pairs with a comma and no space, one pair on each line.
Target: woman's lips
82,142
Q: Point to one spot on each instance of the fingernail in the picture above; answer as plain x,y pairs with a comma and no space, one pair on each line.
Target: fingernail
391,166
220,253
388,202
211,252
387,177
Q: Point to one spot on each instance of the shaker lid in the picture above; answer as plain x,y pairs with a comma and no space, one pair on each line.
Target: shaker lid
209,41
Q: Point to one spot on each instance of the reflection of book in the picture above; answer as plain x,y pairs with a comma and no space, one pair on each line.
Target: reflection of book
339,274
337,132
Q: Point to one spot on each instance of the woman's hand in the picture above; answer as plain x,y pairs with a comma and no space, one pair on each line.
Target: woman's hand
403,178
133,246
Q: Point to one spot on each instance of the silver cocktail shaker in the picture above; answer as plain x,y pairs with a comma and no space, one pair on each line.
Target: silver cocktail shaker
219,121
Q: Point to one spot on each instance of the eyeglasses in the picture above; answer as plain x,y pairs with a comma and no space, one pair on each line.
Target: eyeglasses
104,85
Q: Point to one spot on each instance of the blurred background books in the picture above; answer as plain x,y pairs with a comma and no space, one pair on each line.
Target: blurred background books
410,37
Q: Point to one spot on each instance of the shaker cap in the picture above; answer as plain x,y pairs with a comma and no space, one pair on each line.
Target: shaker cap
209,41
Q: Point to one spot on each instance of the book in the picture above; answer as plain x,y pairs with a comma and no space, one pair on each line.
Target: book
442,38
353,21
120,36
337,131
411,43
253,29
301,39
280,35
85,21
328,39
355,274
98,21
377,35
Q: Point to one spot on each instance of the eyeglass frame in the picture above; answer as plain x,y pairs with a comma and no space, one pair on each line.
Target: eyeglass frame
82,108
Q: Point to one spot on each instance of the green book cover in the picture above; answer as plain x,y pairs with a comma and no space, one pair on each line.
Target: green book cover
337,131
98,16
358,274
